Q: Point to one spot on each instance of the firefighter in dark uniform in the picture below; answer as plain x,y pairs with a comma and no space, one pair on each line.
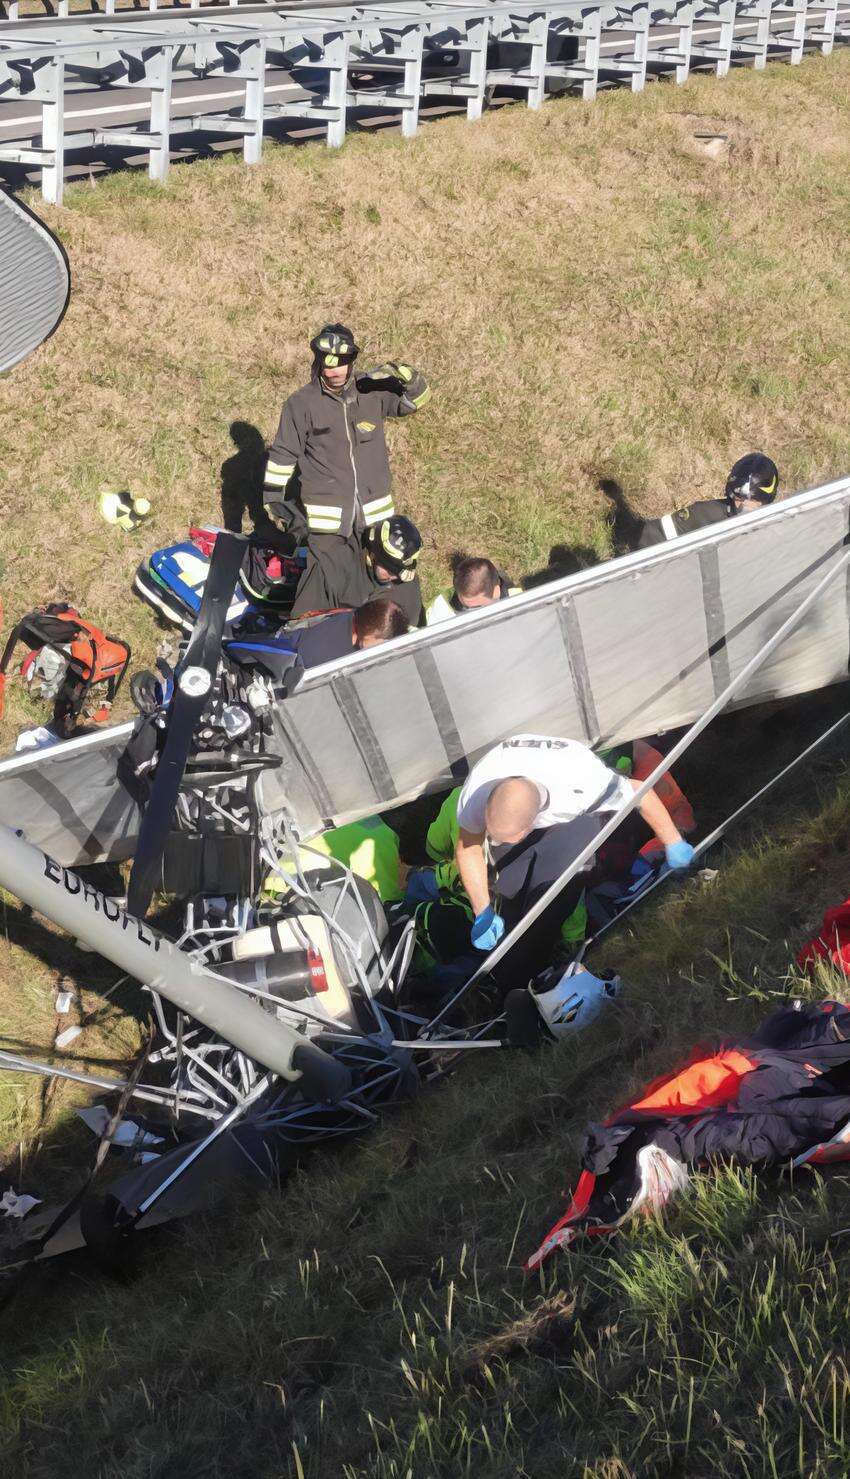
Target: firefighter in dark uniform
752,483
387,568
328,467
392,550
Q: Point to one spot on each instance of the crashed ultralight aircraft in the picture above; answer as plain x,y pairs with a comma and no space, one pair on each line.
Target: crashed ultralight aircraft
280,1025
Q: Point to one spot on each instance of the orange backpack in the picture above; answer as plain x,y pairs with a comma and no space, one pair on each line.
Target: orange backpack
87,659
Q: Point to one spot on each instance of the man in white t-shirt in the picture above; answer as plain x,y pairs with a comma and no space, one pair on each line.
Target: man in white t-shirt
535,802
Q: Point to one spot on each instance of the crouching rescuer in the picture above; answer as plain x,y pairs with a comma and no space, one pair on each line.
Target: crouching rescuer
526,811
328,466
752,483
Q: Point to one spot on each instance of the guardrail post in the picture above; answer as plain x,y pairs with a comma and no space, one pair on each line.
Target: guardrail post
159,82
479,36
254,67
799,32
51,93
592,34
824,33
336,58
673,53
538,37
727,37
641,48
412,85
762,36
686,36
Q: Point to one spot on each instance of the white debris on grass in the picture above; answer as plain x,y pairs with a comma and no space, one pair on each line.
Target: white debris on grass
65,1038
14,1205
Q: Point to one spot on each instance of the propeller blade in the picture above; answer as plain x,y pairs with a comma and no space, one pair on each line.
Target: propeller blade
193,684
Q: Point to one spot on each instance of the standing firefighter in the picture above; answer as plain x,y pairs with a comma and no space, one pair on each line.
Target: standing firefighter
329,462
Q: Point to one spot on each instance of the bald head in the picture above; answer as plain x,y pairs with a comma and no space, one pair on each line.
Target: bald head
512,808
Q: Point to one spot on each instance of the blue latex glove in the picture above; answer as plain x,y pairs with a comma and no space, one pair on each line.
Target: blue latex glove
422,886
679,855
487,929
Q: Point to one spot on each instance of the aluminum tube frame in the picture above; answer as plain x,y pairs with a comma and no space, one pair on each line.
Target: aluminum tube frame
11,1063
61,896
197,1150
720,831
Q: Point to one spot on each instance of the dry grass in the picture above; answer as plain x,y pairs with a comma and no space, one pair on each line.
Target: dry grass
371,1321
592,298
589,298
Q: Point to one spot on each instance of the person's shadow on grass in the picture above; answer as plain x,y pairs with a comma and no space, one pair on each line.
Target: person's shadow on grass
563,560
626,526
242,477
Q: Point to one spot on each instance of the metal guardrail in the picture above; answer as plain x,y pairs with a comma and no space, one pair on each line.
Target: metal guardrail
10,10
335,57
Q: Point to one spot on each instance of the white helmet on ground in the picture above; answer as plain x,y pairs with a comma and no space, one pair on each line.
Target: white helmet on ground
570,1000
558,1003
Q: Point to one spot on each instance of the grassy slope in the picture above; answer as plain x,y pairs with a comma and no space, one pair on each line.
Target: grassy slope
374,1318
591,299
588,297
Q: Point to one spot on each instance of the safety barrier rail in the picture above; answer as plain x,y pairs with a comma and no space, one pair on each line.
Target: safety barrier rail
10,10
335,57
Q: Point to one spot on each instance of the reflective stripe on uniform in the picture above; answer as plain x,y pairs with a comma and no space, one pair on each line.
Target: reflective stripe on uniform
419,400
378,508
278,475
668,528
326,518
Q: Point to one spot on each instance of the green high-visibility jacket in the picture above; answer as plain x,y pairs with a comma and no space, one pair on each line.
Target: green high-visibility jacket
368,847
440,841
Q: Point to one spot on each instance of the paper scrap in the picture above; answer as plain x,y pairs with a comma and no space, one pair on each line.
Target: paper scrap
70,1035
13,1205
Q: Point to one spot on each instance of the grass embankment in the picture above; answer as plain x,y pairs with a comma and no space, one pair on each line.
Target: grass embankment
592,299
371,1320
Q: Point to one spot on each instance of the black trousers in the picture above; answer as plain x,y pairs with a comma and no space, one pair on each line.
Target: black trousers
523,872
333,576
